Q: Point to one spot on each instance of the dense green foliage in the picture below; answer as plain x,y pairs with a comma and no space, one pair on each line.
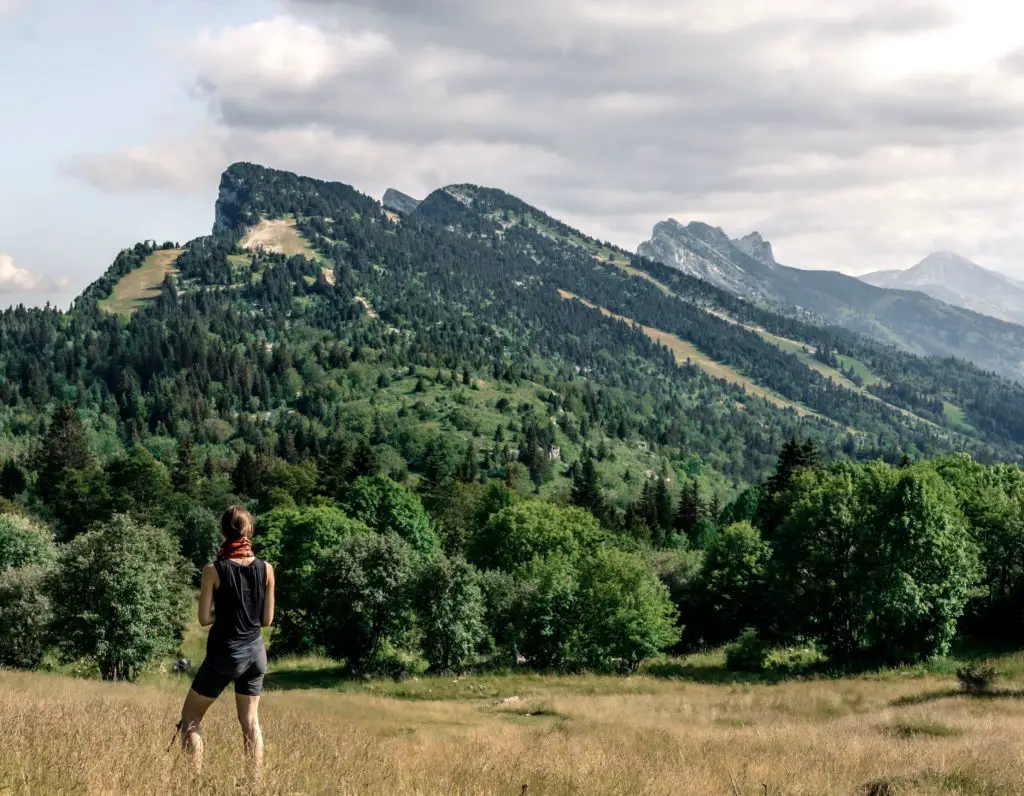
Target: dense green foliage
450,611
24,616
24,542
119,598
479,471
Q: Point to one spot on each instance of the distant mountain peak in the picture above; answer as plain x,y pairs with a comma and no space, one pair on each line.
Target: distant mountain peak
952,278
753,245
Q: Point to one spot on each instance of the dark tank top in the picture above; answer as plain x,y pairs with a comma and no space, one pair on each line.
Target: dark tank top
238,606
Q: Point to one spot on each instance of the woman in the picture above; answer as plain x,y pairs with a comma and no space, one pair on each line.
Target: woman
237,598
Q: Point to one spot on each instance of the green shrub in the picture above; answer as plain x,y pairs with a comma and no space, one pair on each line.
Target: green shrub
747,654
977,679
387,507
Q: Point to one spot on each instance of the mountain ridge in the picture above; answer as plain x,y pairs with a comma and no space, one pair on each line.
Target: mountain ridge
475,269
956,280
908,318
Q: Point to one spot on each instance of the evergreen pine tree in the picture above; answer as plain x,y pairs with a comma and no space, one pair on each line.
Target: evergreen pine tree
185,475
65,447
364,461
12,480
691,509
663,507
586,487
245,478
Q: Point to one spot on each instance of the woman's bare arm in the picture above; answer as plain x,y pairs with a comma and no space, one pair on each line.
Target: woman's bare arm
206,595
268,600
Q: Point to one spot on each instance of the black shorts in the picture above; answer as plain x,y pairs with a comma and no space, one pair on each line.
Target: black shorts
245,668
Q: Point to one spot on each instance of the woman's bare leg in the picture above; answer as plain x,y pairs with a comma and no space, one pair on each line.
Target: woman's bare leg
191,727
248,716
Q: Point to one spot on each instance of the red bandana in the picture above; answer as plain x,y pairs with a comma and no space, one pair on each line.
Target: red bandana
235,548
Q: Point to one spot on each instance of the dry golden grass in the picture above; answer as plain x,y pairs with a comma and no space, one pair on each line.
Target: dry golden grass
277,235
60,735
135,289
684,351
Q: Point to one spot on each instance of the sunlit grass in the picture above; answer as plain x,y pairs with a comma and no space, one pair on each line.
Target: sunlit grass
494,734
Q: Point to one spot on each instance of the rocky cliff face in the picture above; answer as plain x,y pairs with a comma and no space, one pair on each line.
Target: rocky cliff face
702,251
398,202
753,245
229,200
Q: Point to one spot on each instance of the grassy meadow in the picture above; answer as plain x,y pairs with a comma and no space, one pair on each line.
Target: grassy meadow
897,733
142,284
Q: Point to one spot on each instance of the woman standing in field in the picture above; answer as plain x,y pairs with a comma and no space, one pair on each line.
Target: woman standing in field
237,598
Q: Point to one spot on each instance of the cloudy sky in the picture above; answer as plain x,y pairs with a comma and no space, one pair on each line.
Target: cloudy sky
856,136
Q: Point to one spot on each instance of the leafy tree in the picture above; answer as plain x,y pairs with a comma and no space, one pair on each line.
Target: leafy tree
450,611
295,540
24,542
625,614
198,534
532,529
362,593
680,570
924,566
874,561
744,508
541,615
139,485
82,499
730,591
385,507
24,616
705,534
120,597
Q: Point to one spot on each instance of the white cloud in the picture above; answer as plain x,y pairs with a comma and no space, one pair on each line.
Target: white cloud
10,5
20,280
856,135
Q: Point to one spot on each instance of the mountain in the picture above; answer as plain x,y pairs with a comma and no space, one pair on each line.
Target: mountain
314,338
956,280
398,202
908,318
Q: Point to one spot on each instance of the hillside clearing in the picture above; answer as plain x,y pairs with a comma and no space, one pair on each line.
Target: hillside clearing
278,235
143,284
583,735
685,351
802,351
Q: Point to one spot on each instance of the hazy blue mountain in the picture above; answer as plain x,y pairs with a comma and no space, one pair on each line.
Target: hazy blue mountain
956,280
909,318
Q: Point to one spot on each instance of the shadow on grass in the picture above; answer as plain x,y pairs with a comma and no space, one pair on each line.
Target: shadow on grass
711,674
304,678
951,693
716,674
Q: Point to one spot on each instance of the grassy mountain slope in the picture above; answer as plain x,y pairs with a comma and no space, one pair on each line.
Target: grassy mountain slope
453,325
